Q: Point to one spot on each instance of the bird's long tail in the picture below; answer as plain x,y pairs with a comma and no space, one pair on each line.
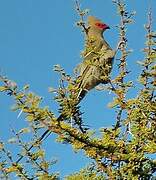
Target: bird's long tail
46,134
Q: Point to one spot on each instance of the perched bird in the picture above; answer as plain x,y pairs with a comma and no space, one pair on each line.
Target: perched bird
96,66
98,58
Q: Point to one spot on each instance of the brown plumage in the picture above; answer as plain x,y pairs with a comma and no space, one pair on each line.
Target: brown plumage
98,58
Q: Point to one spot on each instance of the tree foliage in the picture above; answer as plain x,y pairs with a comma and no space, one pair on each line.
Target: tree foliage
122,151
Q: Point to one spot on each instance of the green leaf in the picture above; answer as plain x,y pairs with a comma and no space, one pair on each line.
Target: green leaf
3,88
26,87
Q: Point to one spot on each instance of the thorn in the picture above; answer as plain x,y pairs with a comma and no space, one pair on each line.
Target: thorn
119,45
20,113
88,53
129,129
71,122
78,96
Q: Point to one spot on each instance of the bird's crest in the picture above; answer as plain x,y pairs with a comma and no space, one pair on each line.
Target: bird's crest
95,22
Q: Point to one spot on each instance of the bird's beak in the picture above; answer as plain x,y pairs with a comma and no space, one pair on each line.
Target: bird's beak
107,27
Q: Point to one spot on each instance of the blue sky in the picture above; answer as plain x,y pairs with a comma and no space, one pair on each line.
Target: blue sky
37,34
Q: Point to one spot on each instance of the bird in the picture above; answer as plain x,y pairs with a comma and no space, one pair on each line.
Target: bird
97,58
96,65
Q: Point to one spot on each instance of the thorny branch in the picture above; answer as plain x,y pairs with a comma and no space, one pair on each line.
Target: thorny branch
81,13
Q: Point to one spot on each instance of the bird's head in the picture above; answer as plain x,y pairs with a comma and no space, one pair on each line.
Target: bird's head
97,24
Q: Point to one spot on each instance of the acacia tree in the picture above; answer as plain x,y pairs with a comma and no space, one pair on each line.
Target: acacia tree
123,150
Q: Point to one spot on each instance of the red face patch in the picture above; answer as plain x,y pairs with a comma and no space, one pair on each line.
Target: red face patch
102,26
